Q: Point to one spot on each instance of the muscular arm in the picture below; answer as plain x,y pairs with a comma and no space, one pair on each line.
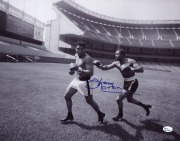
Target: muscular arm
107,67
136,67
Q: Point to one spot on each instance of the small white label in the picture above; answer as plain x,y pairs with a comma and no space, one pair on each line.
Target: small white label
167,129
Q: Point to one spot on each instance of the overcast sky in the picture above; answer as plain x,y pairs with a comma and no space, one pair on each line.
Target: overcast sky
135,9
123,9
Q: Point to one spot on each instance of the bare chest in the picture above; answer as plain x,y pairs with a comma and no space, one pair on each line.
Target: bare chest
80,62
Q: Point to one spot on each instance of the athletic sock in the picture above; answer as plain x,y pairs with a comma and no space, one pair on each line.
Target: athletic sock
70,114
141,104
146,108
100,113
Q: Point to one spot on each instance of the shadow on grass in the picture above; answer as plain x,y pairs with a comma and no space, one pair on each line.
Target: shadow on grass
115,129
151,125
112,129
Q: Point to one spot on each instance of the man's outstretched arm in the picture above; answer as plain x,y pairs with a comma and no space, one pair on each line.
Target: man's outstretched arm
104,67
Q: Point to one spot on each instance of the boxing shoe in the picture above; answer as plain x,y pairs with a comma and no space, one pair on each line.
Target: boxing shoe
101,118
68,118
118,117
147,107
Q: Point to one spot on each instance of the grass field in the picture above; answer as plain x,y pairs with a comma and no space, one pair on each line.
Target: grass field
32,104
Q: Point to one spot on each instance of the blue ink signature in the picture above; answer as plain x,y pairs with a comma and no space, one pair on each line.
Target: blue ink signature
105,86
108,87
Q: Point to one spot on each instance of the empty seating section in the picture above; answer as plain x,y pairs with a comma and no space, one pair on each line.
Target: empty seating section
91,34
104,37
167,34
114,39
124,32
79,23
136,33
147,43
99,27
135,42
124,41
98,36
177,31
150,34
111,30
89,26
133,36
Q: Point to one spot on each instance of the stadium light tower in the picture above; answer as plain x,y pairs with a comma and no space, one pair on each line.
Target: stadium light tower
119,35
35,12
23,10
7,7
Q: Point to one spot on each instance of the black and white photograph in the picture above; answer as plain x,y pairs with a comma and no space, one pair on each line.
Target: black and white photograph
89,70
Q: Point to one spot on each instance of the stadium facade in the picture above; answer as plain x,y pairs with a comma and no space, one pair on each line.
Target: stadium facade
20,28
142,40
21,37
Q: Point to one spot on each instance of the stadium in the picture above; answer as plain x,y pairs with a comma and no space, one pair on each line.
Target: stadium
152,41
34,65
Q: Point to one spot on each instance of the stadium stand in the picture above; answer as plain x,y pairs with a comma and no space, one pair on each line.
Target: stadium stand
144,40
150,34
167,34
136,33
17,53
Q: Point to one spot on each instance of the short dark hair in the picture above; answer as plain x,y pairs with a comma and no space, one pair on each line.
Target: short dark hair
122,51
80,43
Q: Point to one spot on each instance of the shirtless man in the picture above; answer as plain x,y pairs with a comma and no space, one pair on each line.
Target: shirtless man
84,70
127,67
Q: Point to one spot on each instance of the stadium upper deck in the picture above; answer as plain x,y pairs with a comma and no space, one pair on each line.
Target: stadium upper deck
158,34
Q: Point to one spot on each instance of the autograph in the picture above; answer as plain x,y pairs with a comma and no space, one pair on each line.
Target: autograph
108,87
105,86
